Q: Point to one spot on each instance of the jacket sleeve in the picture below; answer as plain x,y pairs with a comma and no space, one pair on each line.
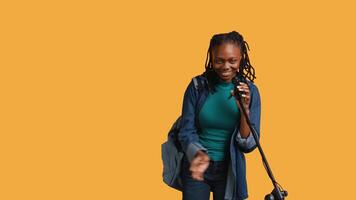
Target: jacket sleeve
248,144
188,136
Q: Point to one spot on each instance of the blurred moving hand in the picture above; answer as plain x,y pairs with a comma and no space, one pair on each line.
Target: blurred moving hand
198,165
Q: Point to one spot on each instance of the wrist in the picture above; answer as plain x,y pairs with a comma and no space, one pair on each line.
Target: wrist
247,112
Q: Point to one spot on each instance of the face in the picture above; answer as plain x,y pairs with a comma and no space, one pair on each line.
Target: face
226,60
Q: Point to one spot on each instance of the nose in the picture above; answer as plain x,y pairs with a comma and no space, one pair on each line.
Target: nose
226,65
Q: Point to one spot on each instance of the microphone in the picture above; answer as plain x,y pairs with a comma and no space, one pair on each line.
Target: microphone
236,81
277,194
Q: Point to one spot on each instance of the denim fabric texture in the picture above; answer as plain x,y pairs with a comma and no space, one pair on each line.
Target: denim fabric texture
236,184
214,180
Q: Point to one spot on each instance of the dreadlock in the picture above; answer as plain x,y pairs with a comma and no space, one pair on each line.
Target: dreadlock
245,69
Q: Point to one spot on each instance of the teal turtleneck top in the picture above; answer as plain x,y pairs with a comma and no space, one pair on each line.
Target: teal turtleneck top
217,119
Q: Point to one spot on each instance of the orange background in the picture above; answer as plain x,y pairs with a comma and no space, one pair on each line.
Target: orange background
89,90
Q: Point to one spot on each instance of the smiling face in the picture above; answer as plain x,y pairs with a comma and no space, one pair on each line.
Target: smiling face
226,60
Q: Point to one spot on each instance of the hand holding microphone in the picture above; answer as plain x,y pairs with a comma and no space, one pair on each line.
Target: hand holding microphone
241,91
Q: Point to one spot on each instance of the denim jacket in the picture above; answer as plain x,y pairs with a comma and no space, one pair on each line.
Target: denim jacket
236,186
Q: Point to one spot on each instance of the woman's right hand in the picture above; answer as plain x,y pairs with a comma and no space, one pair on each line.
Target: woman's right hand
198,165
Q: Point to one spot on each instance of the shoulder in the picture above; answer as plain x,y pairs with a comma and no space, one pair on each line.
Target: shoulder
192,85
201,77
198,81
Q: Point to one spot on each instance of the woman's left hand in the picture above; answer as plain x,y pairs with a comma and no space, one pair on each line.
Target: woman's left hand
243,87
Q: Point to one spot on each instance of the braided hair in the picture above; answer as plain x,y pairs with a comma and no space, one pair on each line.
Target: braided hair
245,69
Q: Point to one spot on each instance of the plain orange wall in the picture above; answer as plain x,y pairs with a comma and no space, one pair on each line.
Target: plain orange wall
89,90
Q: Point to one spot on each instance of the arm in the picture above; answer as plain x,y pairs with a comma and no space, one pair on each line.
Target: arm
244,138
188,136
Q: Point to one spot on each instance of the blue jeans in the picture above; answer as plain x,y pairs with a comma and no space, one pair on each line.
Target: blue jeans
214,180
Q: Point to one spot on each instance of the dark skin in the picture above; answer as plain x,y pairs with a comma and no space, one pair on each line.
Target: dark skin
226,61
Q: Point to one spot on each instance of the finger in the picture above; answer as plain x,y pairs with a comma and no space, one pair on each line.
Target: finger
242,83
246,96
246,99
197,176
244,90
206,158
200,167
196,168
244,86
197,159
200,177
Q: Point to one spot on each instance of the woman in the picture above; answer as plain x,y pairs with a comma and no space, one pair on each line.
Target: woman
214,133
